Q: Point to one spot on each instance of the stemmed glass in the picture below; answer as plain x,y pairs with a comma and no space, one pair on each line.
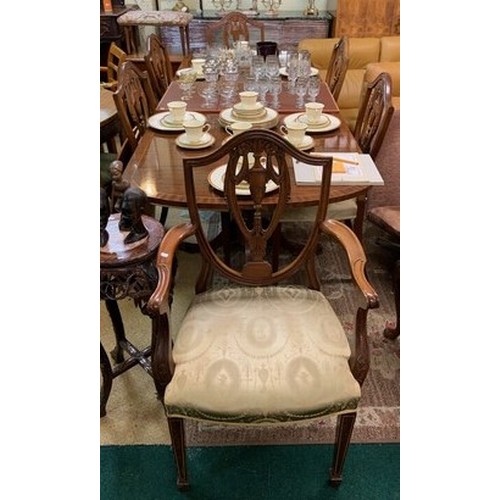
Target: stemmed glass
313,87
292,70
301,90
272,66
186,78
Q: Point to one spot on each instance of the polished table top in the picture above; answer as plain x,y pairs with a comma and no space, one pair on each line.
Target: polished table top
108,108
156,165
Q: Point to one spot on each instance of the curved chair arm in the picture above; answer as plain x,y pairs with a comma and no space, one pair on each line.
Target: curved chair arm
356,256
159,301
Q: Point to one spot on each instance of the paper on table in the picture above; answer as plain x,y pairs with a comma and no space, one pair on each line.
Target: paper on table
365,172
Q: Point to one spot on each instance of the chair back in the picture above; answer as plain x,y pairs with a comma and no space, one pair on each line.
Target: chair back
234,26
158,65
116,56
337,66
134,100
375,113
256,162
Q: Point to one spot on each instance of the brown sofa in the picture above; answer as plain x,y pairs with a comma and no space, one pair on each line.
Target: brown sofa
364,53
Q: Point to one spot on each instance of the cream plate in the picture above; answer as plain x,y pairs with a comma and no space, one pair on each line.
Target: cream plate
332,124
159,121
205,141
216,180
314,71
240,106
307,143
226,117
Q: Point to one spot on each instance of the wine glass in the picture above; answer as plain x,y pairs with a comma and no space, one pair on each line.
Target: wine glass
186,78
313,87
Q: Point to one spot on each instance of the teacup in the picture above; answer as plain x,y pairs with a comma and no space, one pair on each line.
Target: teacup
177,111
195,129
248,98
197,64
295,132
238,127
314,111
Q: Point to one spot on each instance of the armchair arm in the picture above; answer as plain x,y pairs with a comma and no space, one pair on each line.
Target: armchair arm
356,256
159,301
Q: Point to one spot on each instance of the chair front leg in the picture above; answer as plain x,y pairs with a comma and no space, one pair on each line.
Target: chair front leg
176,428
345,425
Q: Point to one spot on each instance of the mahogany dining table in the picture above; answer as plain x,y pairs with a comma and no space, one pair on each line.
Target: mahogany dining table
156,164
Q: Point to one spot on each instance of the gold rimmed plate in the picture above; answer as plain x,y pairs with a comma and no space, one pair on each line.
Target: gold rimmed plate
332,123
159,122
216,180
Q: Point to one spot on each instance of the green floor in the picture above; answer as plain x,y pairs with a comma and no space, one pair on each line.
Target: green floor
254,472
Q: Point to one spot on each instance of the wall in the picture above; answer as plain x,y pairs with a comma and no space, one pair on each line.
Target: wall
286,5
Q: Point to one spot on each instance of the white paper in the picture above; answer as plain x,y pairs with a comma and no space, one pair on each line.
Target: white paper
364,173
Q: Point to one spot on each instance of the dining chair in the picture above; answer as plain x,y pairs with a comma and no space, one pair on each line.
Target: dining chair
158,65
337,66
388,219
258,346
232,27
135,102
109,73
371,125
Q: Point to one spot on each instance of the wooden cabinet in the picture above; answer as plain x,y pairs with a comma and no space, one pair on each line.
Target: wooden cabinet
362,18
285,28
110,29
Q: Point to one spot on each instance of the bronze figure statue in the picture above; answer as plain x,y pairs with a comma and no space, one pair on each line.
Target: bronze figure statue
118,185
133,205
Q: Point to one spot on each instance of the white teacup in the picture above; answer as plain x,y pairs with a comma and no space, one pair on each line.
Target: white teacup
195,129
177,111
197,64
238,127
249,98
295,132
314,111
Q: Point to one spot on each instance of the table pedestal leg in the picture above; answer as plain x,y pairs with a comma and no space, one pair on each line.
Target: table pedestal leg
107,379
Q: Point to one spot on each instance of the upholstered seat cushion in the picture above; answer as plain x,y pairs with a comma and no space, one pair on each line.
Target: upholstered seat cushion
266,354
155,18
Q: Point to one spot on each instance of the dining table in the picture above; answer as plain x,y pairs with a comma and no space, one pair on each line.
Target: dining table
156,166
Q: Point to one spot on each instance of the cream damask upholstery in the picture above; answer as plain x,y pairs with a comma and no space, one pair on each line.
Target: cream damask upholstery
250,355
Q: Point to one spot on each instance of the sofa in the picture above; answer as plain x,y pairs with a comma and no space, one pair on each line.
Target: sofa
370,53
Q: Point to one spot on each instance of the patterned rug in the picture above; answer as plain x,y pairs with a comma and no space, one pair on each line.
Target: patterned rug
136,417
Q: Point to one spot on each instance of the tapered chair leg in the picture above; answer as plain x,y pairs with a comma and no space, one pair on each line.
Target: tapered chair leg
176,428
345,425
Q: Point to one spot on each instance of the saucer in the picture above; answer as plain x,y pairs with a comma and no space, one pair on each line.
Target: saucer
307,143
248,108
332,123
322,122
205,141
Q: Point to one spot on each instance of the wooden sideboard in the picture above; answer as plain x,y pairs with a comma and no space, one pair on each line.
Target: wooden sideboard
110,29
285,28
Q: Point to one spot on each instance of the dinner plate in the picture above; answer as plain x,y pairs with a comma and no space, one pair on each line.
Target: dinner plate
269,120
332,124
248,108
216,180
307,143
158,121
205,141
314,71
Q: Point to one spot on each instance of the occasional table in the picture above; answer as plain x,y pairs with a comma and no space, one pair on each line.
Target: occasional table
126,271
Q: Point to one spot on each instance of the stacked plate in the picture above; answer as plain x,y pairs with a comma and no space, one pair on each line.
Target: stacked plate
266,118
244,112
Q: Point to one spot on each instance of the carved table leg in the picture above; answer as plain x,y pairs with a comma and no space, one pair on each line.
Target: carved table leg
116,320
107,379
393,332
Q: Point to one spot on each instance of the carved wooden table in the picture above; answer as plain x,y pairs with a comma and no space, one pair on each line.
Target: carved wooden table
126,271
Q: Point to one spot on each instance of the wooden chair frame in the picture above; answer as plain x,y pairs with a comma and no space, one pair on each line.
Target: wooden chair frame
158,65
116,56
337,66
234,26
256,225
